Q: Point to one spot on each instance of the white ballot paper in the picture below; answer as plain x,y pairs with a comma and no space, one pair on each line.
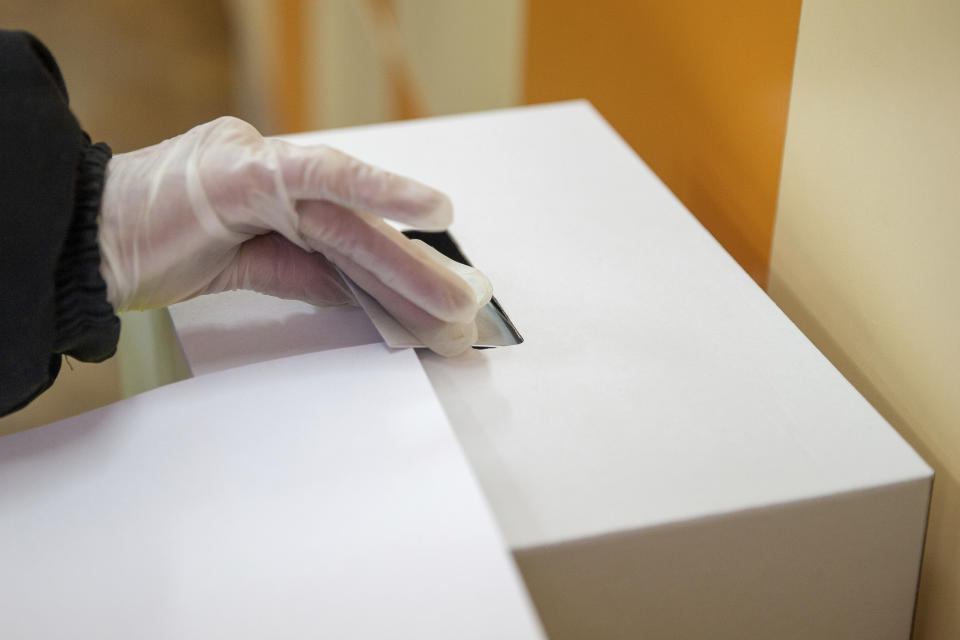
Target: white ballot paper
316,496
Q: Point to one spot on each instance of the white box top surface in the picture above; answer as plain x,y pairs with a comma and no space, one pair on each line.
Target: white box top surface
657,382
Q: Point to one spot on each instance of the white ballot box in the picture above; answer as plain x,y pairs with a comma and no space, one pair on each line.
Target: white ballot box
665,454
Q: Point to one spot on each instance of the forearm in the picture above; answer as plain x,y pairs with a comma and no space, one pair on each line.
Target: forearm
52,298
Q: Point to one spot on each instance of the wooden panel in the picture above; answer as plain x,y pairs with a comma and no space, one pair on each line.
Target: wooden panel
289,65
700,89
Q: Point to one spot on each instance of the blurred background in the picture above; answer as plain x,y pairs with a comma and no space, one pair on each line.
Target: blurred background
816,140
700,88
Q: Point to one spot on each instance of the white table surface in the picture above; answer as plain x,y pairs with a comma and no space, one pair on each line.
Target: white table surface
223,507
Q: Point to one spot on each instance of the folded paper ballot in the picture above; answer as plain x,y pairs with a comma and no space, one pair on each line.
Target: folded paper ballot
268,501
494,327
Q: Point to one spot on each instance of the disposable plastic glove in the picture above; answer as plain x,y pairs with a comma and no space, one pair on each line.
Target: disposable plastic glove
221,208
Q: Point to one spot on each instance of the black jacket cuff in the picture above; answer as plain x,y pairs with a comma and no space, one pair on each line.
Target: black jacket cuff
85,326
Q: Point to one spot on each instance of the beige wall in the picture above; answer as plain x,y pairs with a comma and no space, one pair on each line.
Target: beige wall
865,254
463,56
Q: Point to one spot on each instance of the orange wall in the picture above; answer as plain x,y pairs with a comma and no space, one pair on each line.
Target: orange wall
699,88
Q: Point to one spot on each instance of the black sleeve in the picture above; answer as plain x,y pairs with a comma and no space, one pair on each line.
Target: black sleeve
52,298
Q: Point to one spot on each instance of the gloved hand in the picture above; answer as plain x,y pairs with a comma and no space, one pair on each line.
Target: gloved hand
222,208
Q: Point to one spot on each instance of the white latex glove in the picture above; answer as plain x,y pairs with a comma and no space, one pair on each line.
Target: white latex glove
221,208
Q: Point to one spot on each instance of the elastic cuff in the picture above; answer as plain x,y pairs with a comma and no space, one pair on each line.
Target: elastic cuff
86,326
